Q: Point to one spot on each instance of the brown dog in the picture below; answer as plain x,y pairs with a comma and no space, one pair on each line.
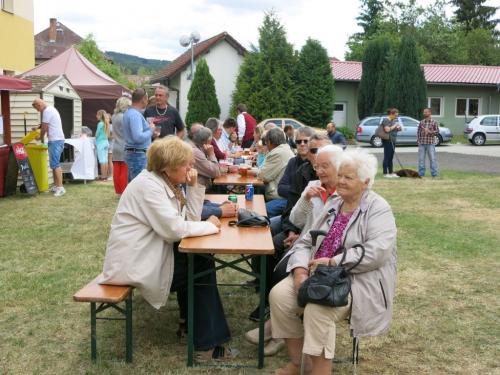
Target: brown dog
408,173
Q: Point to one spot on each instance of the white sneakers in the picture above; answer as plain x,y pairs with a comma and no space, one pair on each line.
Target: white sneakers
59,191
391,175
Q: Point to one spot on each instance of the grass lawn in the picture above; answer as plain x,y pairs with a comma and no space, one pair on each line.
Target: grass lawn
446,316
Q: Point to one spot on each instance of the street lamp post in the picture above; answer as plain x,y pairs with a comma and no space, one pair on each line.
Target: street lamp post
185,41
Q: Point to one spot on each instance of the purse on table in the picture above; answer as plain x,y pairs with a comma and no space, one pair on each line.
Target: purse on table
247,218
328,285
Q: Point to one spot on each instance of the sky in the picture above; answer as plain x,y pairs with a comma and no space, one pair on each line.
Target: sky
152,28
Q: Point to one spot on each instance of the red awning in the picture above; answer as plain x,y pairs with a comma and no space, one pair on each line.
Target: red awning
14,84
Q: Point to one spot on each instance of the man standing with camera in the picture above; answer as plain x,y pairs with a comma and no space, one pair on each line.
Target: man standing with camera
427,131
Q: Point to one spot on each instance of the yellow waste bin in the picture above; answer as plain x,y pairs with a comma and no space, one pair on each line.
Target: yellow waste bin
37,155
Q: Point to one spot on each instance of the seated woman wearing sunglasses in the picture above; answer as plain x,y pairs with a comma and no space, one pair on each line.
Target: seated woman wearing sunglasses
358,217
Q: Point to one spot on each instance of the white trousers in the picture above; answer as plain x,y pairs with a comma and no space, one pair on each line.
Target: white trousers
318,326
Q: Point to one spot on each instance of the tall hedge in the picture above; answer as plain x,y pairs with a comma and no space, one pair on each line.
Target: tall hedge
202,97
315,91
372,86
406,88
265,82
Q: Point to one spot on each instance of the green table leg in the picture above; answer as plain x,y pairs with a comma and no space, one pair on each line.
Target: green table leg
93,335
190,317
262,305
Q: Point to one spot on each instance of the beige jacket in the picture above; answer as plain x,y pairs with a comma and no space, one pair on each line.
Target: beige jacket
274,168
208,168
147,222
374,279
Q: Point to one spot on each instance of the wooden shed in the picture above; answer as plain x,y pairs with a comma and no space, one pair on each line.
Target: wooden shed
56,91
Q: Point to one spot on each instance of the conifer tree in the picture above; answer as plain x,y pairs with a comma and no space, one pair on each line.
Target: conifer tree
314,85
265,84
202,97
405,85
371,87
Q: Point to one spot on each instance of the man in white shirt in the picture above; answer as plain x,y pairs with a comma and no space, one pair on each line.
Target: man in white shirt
52,126
246,126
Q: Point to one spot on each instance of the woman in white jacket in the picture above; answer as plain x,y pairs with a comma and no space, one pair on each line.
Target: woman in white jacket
153,215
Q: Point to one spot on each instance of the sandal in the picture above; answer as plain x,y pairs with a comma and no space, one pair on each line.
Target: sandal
181,330
219,353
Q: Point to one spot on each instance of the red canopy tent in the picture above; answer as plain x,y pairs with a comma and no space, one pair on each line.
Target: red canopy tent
10,84
97,90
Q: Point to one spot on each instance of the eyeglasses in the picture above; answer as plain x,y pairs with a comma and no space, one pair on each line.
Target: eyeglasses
313,150
301,141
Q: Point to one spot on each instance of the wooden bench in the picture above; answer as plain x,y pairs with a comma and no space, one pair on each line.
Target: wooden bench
107,296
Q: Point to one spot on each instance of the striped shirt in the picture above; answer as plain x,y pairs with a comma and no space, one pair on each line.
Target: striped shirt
428,138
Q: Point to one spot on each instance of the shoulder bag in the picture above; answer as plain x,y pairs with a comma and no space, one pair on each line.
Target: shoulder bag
247,218
381,133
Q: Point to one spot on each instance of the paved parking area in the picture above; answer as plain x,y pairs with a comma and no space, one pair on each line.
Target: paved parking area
464,158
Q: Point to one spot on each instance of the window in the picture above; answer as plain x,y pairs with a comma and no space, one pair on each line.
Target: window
295,124
339,107
467,107
8,5
375,121
409,122
435,105
489,121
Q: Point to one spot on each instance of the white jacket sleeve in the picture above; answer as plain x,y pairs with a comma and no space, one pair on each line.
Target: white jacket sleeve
241,126
300,212
167,222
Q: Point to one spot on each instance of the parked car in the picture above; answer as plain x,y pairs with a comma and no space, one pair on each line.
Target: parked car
282,122
407,135
483,129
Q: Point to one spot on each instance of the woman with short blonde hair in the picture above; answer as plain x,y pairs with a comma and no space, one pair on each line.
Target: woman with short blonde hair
168,153
120,169
153,215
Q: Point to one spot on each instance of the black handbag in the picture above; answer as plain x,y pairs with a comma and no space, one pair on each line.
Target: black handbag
247,218
328,285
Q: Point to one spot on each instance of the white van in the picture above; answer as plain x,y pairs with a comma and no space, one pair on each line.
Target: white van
483,129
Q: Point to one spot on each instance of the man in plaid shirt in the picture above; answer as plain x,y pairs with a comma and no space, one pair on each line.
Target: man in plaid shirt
426,135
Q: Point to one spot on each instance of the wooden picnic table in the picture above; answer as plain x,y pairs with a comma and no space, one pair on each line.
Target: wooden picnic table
237,179
246,242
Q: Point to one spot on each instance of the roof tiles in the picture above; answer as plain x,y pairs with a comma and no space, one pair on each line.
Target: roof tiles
434,73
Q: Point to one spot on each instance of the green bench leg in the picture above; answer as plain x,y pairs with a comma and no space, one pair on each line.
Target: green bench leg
128,327
93,336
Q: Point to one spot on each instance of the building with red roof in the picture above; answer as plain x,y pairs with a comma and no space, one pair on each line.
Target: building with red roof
456,93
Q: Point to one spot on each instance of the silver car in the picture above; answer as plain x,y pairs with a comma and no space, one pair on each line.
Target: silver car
407,135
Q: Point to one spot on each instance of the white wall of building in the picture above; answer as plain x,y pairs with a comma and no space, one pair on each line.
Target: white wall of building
224,64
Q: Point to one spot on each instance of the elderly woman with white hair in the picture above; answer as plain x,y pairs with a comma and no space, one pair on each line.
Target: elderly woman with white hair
357,216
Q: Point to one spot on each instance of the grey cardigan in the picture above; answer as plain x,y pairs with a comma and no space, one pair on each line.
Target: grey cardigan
374,279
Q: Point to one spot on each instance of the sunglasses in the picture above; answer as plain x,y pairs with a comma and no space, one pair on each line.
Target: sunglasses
313,150
301,141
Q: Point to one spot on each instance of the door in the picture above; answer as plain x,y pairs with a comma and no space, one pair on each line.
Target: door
65,109
340,114
491,127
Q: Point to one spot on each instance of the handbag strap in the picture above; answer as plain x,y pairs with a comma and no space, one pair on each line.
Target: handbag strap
359,260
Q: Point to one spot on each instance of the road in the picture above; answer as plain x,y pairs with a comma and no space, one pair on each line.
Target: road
464,158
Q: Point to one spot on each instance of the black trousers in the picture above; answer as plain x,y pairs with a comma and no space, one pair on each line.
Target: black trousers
210,325
389,149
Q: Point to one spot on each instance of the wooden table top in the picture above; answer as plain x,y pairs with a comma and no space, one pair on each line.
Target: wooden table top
233,240
237,179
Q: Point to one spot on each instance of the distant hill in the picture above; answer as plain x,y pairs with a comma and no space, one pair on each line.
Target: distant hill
135,64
